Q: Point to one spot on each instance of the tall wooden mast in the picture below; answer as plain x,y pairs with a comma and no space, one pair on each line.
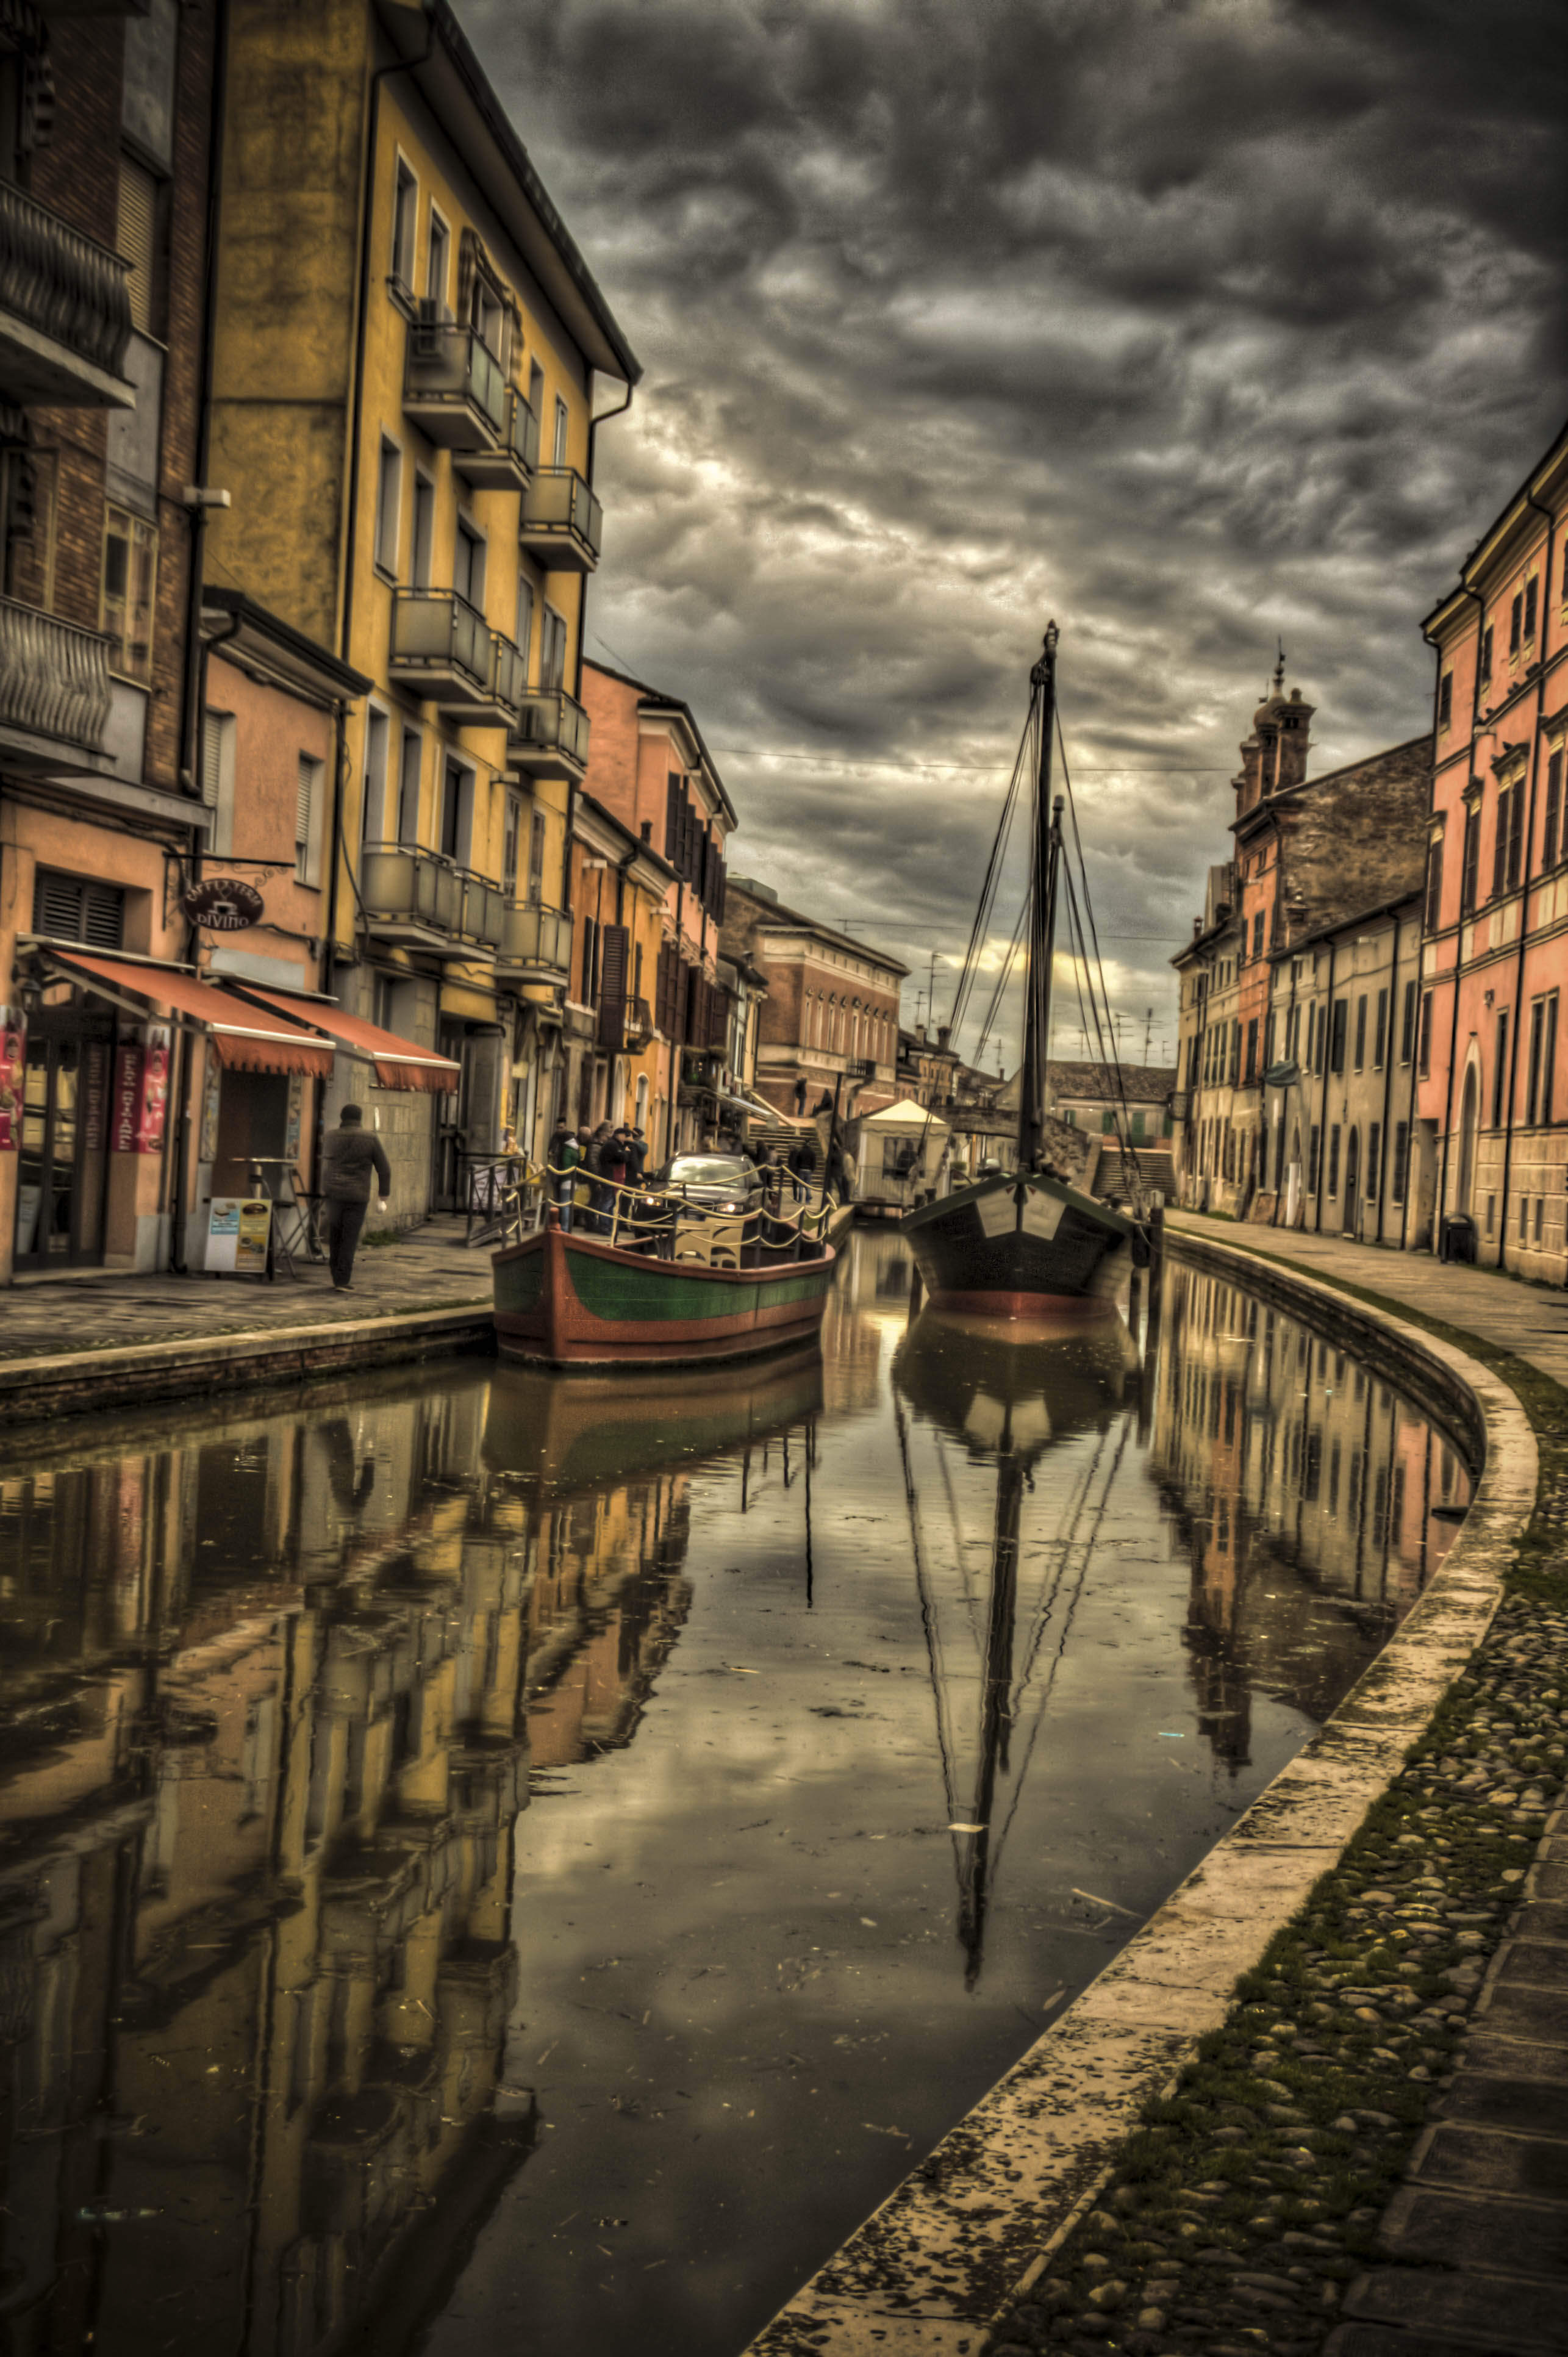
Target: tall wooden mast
1046,850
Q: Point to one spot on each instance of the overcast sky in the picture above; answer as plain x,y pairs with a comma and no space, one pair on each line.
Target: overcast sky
1194,326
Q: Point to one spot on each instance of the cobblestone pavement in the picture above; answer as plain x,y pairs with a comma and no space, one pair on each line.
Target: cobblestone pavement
1371,2160
427,1269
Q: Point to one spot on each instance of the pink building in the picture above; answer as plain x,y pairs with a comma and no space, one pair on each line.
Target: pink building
1492,1103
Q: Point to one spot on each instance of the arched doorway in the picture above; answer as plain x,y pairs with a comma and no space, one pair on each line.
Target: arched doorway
1352,1180
1469,1119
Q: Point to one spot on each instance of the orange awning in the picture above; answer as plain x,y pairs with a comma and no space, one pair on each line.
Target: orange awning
245,1040
398,1064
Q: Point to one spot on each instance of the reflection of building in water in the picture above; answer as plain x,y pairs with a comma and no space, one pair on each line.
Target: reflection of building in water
867,1308
1296,1480
262,1748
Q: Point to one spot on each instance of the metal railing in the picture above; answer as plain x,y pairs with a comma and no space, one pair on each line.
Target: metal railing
554,723
558,502
54,679
508,673
522,434
436,631
532,934
454,366
63,284
402,884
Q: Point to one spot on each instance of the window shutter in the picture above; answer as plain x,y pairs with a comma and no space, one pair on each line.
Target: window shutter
103,915
135,237
78,908
718,1017
305,801
211,757
673,822
614,957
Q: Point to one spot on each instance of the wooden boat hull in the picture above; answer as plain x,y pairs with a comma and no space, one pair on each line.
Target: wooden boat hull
567,1301
1021,1248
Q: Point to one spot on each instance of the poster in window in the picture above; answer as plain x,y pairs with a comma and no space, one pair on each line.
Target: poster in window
12,1062
152,1107
295,1117
211,1096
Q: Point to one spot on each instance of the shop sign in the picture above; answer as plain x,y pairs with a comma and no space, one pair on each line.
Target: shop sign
140,1104
295,1115
94,1095
127,1098
223,904
238,1229
13,1076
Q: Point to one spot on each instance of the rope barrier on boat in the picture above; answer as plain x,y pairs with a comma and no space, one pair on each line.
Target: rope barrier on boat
642,1218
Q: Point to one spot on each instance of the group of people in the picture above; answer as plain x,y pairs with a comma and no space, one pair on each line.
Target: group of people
615,1154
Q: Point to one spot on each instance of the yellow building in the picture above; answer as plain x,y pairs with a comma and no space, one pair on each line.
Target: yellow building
407,353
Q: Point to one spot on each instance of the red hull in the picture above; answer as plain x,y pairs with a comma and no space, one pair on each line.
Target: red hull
688,1311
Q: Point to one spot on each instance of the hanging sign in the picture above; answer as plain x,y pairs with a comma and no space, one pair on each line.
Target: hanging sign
13,1076
126,1105
94,1095
238,1229
223,904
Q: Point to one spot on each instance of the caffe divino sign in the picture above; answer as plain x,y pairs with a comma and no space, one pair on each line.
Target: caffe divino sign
222,904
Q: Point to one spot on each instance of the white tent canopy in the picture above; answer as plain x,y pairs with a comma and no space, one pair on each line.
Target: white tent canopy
905,1114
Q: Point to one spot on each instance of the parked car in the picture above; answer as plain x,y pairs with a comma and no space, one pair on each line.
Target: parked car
711,1182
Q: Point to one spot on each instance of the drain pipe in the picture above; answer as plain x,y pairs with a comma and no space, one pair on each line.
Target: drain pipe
1528,854
1389,1078
1326,1049
1438,1208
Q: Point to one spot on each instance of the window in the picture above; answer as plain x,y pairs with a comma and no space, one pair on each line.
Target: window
468,565
1374,1145
1334,1159
307,817
536,858
1516,625
1469,873
218,777
1542,1056
522,636
1340,1024
1425,1034
1524,1219
389,505
1499,1069
1444,699
1551,825
1235,1074
563,423
1407,1024
536,390
1434,887
1491,1213
383,1001
136,238
1485,665
423,553
510,837
552,650
1401,1158
1252,1049
1108,1124
78,908
1258,934
409,768
1269,1040
1312,1037
1539,1204
1381,1037
130,583
373,813
1500,842
405,191
458,812
1532,598
436,268
1312,1146
1361,1031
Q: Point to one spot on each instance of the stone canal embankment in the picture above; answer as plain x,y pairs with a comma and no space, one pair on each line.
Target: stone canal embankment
1200,2152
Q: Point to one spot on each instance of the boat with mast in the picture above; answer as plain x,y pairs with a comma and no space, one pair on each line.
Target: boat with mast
1023,1243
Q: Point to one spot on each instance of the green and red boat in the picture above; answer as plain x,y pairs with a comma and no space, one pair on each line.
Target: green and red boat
569,1300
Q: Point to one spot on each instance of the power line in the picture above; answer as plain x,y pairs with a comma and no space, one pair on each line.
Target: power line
958,769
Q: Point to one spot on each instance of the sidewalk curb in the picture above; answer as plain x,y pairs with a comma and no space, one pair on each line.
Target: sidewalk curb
947,2252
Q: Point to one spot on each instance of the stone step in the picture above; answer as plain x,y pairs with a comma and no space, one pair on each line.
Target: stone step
1476,2231
1495,2055
1360,2340
1493,2160
1500,2099
1479,2312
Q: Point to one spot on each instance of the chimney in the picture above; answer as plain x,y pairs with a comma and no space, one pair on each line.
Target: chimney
942,1031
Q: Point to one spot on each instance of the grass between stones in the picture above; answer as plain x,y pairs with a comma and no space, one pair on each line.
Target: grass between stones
1250,2195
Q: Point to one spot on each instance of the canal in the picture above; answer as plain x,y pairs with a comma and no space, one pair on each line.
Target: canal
488,1862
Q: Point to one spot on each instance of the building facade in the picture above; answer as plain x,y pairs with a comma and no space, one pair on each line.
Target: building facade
615,1065
408,352
830,1021
650,770
1492,1142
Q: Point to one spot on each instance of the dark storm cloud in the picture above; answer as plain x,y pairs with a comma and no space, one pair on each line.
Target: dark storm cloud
1196,325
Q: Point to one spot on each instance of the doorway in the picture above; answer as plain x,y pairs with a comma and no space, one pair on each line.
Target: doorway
448,1127
1469,1117
63,1166
1352,1182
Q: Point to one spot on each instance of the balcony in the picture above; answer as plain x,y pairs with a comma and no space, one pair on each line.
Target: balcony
452,388
535,943
444,649
509,464
65,312
54,691
423,901
550,739
563,522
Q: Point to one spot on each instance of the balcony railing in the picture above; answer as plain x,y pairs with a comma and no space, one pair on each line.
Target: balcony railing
445,651
562,523
536,938
419,896
550,739
454,388
65,311
508,465
54,679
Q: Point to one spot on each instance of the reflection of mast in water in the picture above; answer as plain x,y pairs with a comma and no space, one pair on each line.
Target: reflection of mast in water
996,1708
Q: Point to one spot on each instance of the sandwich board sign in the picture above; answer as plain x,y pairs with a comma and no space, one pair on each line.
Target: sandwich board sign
238,1229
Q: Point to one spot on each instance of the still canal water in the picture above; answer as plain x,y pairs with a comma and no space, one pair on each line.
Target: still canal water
488,1863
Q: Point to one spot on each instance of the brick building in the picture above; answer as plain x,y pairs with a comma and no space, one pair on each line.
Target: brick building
830,1021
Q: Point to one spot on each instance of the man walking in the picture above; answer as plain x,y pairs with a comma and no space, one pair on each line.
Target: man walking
352,1155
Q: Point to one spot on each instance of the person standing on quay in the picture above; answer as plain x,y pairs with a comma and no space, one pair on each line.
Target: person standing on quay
352,1155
